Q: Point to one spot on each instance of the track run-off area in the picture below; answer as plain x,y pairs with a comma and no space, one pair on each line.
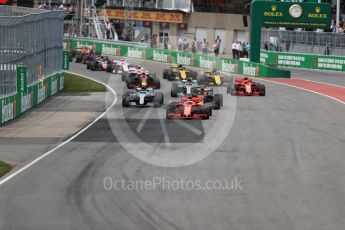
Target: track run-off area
273,162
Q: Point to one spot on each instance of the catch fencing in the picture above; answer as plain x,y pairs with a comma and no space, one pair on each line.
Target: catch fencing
32,38
309,42
31,58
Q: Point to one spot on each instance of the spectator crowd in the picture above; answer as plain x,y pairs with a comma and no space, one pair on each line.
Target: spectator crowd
239,49
68,8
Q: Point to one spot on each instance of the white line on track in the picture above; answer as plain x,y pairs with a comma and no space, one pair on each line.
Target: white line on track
189,127
164,129
320,82
15,173
311,91
144,119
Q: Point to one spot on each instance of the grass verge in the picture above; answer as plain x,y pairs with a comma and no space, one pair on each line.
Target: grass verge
76,84
4,168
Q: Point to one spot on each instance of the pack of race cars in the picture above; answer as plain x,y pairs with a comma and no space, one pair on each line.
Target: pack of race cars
196,99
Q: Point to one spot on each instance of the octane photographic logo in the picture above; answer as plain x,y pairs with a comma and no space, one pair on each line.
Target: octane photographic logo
149,136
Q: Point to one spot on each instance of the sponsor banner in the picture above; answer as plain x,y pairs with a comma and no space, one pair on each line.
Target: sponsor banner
146,16
331,63
309,61
54,87
184,58
8,109
291,60
158,55
135,52
13,106
228,65
22,79
41,94
65,60
114,50
205,62
250,69
263,57
78,44
26,102
61,82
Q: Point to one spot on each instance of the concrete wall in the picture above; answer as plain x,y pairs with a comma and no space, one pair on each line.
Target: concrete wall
211,21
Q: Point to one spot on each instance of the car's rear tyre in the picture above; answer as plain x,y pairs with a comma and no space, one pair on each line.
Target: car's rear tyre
171,77
109,69
262,90
158,100
78,58
93,66
166,73
125,102
157,82
206,111
232,89
123,76
170,109
228,89
174,90
194,75
217,101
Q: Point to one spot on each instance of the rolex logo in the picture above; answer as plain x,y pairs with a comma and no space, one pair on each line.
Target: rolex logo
317,9
274,7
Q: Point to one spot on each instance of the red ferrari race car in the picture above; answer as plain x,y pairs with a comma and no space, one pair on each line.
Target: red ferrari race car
246,86
188,108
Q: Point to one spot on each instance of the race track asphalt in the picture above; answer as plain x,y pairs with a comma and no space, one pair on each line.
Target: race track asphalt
286,150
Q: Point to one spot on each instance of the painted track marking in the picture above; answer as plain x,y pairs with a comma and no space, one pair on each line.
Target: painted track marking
311,91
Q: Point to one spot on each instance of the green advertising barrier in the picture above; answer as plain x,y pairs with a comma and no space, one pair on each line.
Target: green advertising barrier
28,96
308,61
176,57
8,108
65,60
160,55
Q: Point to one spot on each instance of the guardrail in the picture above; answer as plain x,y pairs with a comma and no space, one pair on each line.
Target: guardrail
171,56
311,42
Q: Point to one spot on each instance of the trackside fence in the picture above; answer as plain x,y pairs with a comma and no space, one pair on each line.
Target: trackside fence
31,58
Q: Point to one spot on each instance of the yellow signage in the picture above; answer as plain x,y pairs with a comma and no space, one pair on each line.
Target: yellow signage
317,14
273,13
147,16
